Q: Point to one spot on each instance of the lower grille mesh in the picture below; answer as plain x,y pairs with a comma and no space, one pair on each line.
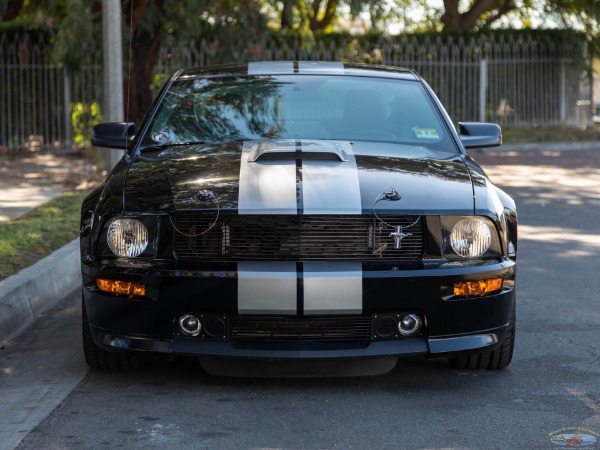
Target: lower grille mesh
339,328
292,238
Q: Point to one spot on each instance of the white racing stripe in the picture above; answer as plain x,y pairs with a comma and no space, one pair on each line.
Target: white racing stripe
267,288
331,187
329,67
266,187
328,187
332,288
270,67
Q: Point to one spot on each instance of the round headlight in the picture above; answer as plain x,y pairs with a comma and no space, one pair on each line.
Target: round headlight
127,237
470,238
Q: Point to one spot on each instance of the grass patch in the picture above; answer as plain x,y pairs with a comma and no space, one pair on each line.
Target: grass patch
526,135
26,240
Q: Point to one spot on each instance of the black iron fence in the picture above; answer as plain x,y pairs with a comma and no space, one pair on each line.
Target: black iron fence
512,81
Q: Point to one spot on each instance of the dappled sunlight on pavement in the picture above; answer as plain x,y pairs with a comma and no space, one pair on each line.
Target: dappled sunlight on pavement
578,243
28,180
542,175
560,180
558,199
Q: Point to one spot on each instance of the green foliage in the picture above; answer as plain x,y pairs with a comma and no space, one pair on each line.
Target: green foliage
84,117
78,35
75,24
524,135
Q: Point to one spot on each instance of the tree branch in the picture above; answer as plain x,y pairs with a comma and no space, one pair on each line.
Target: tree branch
316,6
507,7
469,18
330,11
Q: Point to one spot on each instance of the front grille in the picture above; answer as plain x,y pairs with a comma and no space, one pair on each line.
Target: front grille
292,238
339,328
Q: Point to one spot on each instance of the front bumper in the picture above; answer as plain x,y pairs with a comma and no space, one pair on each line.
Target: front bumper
453,327
180,345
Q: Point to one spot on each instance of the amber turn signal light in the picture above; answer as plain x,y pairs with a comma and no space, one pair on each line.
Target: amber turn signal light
121,287
477,288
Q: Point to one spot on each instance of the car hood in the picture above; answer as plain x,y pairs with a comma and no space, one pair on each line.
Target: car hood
299,177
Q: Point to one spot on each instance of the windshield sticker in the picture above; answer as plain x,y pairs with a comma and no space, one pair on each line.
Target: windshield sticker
201,83
426,133
161,137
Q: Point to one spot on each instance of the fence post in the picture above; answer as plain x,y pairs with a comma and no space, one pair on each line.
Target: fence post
68,140
563,92
483,88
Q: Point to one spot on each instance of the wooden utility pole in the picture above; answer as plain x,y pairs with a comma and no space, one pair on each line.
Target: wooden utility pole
112,109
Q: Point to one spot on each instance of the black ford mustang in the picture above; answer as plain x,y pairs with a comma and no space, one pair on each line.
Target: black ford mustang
291,210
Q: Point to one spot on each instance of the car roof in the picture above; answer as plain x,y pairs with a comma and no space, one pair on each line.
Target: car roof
297,67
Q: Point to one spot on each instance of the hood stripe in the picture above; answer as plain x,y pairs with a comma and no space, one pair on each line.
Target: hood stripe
299,186
330,186
266,187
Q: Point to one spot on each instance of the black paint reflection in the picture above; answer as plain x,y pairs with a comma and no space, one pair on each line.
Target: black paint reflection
174,179
231,109
451,170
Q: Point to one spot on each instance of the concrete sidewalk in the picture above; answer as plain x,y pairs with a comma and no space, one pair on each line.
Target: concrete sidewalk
18,200
28,180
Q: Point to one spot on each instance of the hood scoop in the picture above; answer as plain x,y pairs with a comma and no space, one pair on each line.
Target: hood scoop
290,150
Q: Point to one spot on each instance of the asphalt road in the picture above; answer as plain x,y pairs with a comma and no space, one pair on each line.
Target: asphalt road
553,382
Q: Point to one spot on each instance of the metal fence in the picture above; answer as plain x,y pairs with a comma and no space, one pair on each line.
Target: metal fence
515,82
42,105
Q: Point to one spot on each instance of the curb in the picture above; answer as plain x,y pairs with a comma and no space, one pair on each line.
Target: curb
26,295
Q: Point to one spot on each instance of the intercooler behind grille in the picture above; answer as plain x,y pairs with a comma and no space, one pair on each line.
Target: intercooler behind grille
291,238
339,328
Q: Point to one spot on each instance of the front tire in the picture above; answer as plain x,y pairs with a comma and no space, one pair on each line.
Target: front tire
497,359
100,359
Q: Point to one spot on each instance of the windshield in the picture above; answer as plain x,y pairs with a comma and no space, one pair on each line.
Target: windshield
298,107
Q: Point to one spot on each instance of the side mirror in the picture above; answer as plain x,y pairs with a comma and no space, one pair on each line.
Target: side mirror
479,134
113,134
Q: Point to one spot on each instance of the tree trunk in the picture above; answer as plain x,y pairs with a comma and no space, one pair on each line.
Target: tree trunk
451,16
145,49
287,15
144,54
321,23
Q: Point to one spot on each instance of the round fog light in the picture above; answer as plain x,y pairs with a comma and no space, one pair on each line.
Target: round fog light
190,325
409,324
